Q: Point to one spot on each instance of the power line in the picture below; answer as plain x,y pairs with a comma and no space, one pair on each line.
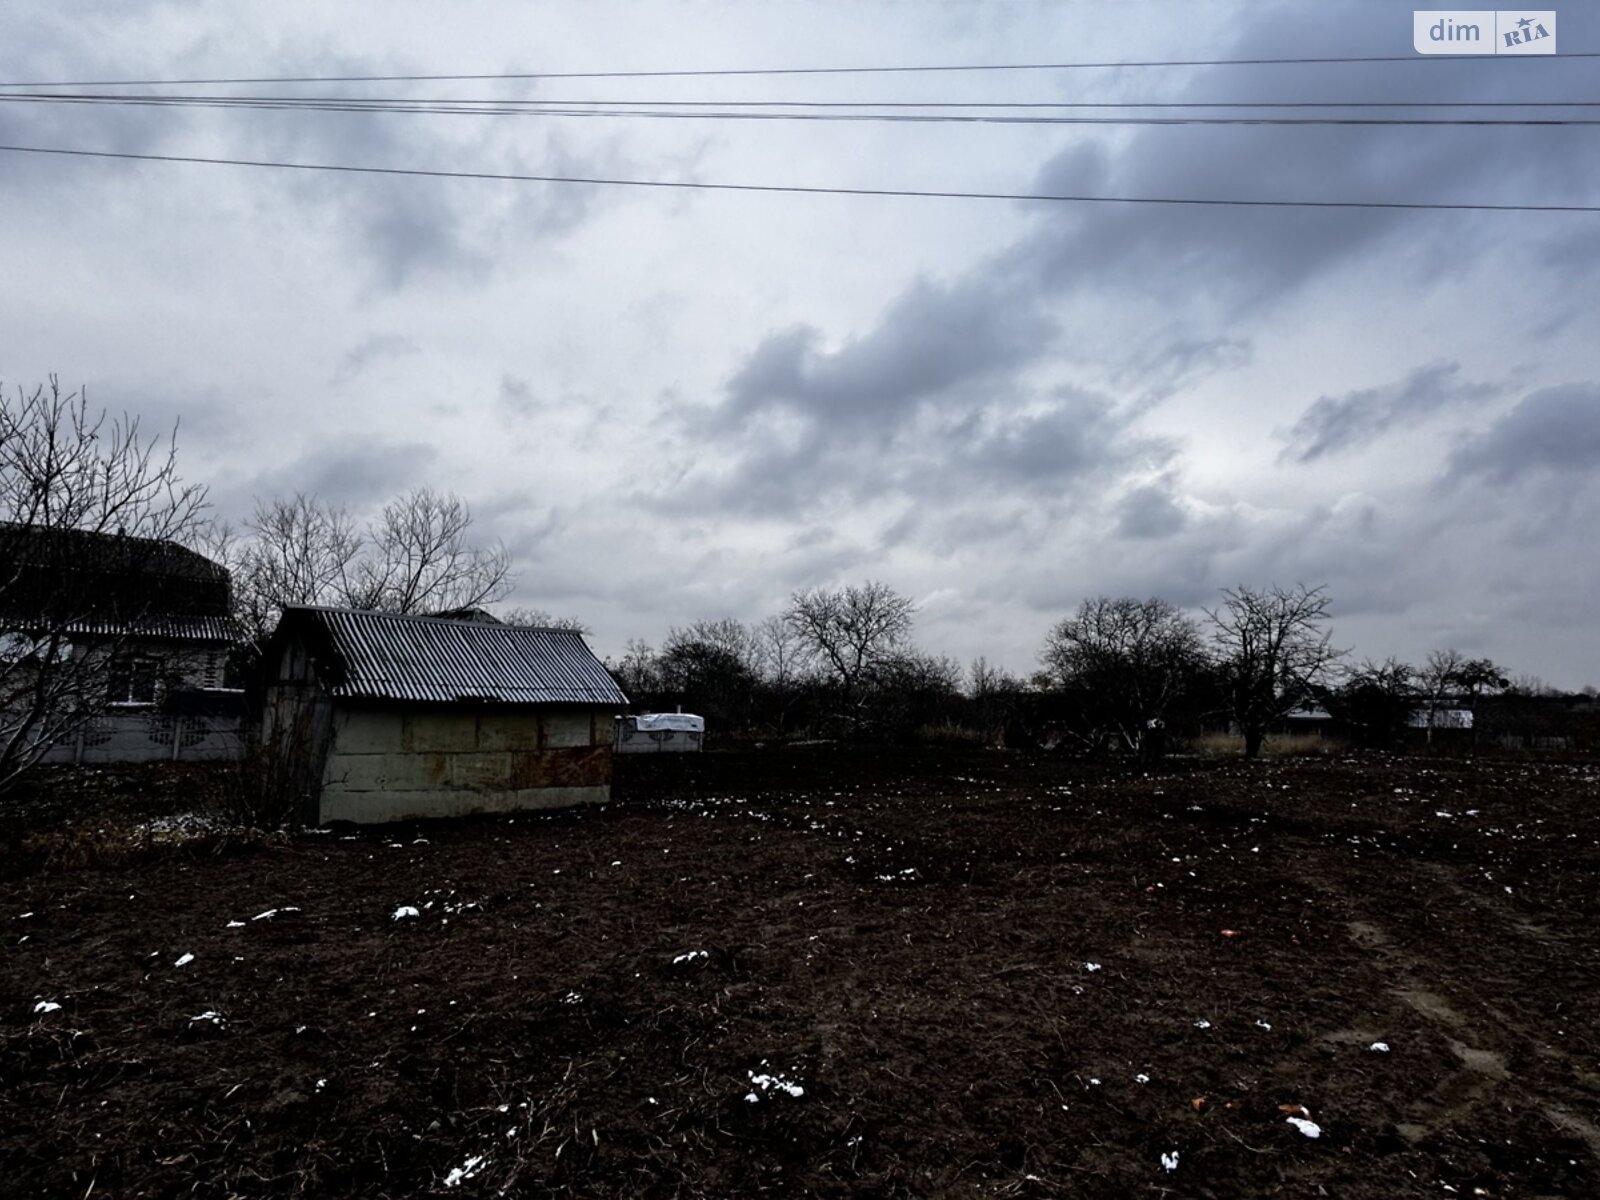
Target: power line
417,172
287,104
827,104
936,68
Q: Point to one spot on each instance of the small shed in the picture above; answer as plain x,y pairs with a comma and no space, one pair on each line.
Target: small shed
382,717
656,733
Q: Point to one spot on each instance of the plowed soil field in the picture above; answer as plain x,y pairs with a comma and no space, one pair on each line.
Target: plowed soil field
937,973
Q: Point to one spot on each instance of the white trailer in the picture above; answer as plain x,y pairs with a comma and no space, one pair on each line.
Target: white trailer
660,733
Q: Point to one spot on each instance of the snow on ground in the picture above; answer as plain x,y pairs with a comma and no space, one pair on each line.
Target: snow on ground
405,912
466,1170
762,1083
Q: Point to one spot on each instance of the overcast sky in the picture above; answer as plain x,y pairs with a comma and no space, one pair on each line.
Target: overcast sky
673,405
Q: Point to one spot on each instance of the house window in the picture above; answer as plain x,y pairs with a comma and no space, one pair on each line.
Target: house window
133,681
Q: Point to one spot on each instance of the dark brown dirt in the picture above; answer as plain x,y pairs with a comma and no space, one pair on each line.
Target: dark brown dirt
617,1002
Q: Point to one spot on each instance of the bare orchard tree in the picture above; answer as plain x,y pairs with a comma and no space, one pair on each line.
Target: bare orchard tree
539,618
415,558
1124,661
419,559
299,551
1273,651
1376,699
852,632
73,482
1449,678
783,666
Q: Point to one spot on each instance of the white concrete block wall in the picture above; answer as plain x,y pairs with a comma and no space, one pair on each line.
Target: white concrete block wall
395,764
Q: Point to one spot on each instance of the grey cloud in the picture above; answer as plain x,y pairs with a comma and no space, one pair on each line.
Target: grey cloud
1149,513
357,475
1333,424
1553,432
1175,360
935,337
516,396
374,349
1010,445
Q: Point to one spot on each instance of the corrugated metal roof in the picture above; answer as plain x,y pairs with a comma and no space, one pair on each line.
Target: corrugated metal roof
171,628
385,656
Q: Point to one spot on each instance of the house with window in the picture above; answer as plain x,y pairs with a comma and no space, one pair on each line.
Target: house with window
136,627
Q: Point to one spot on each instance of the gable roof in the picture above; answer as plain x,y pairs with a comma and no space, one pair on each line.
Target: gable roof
109,583
362,655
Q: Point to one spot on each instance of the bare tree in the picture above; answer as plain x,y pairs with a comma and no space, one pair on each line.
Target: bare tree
1377,699
300,551
711,665
419,558
415,558
783,666
539,618
1273,652
1450,677
74,484
1436,680
852,632
1125,661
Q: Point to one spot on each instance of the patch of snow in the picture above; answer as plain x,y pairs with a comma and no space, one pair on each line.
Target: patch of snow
1379,1047
466,1170
572,998
404,912
272,912
235,925
1310,1128
1091,967
1264,1025
1141,1078
768,1083
1169,1160
45,1006
689,956
211,1015
1202,1023
184,961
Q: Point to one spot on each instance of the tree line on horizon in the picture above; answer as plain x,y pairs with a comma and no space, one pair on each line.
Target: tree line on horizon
1117,674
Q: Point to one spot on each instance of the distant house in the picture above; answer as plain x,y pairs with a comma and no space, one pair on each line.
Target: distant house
153,616
387,717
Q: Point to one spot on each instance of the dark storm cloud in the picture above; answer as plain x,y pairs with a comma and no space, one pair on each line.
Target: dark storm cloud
1218,261
1149,513
1338,423
934,338
971,444
1552,433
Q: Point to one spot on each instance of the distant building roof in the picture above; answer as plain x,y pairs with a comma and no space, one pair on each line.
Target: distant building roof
385,656
107,582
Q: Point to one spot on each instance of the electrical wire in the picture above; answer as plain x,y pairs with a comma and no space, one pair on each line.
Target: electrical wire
835,104
940,68
537,110
695,185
